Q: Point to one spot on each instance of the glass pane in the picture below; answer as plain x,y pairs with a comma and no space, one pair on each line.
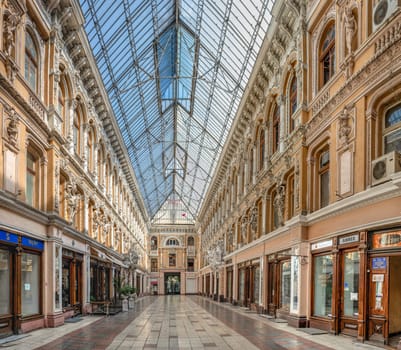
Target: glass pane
392,141
256,282
393,116
351,283
30,278
241,284
294,279
322,285
4,282
285,287
66,284
57,279
30,181
324,189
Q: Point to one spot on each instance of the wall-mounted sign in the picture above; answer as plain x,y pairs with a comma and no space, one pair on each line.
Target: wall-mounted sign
349,239
386,239
379,263
32,243
8,237
322,244
378,277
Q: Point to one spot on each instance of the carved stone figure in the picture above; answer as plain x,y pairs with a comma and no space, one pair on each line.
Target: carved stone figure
12,127
350,28
278,203
72,198
344,129
254,220
244,228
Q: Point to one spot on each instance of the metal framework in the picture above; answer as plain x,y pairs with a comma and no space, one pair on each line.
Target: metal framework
175,72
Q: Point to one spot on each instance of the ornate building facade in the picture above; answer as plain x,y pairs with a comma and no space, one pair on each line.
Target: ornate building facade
69,210
301,220
306,196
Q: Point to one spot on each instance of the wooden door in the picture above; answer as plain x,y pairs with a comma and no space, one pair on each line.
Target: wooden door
378,299
349,292
6,293
272,289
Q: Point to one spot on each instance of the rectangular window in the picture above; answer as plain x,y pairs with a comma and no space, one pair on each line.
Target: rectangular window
256,281
241,286
30,179
324,189
351,283
57,270
4,282
171,260
30,279
285,285
191,265
322,285
153,264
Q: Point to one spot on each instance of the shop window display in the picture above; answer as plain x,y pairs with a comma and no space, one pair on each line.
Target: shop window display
30,278
322,285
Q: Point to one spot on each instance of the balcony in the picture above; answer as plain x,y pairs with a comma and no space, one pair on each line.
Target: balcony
153,252
190,251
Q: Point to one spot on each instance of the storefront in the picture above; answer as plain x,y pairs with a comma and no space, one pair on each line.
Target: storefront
72,271
229,284
20,282
279,284
336,284
100,277
384,286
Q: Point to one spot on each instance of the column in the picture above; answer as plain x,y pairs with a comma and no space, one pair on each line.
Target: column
264,210
95,160
254,165
283,127
266,155
85,155
72,105
86,213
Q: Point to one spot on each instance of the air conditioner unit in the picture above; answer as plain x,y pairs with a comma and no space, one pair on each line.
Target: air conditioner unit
383,167
383,10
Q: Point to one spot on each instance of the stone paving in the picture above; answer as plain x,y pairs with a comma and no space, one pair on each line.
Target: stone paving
179,322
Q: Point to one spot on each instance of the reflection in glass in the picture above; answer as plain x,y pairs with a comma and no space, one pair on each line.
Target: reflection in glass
351,283
322,285
57,278
241,284
285,288
30,283
256,281
4,282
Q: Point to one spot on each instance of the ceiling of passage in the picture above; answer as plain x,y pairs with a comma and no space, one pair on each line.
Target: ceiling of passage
175,72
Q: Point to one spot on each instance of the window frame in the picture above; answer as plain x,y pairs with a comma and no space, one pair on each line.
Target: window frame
322,170
391,129
31,62
276,128
328,52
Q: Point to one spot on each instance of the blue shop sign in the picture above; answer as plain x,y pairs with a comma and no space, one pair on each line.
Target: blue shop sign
379,263
32,243
8,237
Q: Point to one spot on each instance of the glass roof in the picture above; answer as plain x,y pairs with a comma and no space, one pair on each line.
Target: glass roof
175,72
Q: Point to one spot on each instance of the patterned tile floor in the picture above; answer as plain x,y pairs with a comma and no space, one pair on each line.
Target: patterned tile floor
179,322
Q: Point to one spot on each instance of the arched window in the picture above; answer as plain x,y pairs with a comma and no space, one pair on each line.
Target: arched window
276,128
324,178
172,242
261,148
327,55
191,241
91,151
293,101
31,62
76,133
250,170
392,130
235,187
153,243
